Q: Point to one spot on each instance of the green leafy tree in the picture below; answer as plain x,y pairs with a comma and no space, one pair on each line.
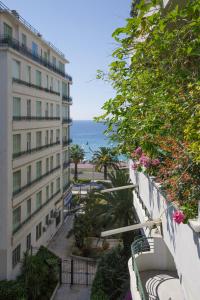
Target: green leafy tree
103,158
76,154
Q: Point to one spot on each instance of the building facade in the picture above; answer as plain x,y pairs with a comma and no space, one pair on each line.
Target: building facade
35,137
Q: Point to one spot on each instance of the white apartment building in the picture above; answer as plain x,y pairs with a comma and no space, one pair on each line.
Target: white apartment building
35,137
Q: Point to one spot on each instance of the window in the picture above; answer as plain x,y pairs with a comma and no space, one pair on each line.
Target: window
38,78
16,69
57,159
38,139
51,110
34,48
52,188
38,200
28,170
16,181
38,169
46,137
16,107
51,136
16,217
7,30
38,231
16,143
47,165
38,108
57,110
47,110
28,74
57,135
28,242
28,137
51,162
54,61
58,219
24,40
47,220
28,207
28,107
16,255
58,184
47,193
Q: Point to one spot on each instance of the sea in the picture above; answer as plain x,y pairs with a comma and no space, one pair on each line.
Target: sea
90,136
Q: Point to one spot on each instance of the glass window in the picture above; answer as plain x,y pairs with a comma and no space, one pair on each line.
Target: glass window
38,200
58,184
38,108
38,169
16,255
38,78
28,137
16,107
51,162
16,217
34,48
28,74
57,110
28,207
38,231
38,139
28,108
16,181
28,170
47,164
51,110
47,193
28,242
16,143
16,69
24,40
7,30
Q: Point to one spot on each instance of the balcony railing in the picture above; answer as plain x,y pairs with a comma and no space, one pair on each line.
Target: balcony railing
28,118
66,164
66,142
28,185
67,99
7,41
33,150
138,247
34,213
66,121
37,87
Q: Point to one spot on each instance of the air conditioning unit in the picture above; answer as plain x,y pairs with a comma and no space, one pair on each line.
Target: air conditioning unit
44,228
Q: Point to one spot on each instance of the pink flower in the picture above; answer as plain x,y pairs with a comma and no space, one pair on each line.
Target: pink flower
155,162
178,216
145,161
138,151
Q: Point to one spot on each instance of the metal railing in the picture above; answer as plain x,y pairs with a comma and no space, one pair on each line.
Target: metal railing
27,118
7,41
67,99
37,87
138,247
19,190
34,213
66,142
66,121
33,150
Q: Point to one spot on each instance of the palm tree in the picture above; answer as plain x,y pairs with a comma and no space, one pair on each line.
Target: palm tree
104,158
76,154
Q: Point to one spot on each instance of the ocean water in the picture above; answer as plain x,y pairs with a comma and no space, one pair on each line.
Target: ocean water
89,135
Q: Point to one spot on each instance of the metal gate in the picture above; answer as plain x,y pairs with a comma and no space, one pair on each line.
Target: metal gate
77,271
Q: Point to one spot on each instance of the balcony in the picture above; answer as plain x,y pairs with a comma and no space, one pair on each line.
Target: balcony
66,142
33,150
152,270
66,121
37,87
6,41
66,164
34,213
35,118
28,185
67,99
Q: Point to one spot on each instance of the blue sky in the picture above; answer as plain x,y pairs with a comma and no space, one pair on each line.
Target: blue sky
82,30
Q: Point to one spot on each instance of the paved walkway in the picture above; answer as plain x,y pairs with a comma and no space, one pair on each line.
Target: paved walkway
61,246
